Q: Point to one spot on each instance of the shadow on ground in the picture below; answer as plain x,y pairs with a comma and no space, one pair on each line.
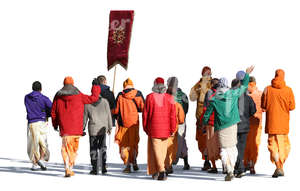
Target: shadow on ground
114,170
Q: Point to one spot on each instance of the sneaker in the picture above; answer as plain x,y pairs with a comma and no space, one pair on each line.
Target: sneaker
127,169
278,172
186,167
213,170
162,176
135,167
206,165
240,174
229,176
34,167
42,165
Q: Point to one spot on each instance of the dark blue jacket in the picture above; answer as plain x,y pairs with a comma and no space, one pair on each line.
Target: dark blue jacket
38,107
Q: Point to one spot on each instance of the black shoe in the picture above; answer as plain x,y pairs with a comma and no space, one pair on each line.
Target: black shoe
155,176
206,165
94,172
162,176
169,171
186,167
213,170
127,169
104,170
135,167
240,174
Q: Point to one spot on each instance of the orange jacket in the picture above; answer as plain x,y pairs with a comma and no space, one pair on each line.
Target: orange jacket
129,103
278,100
256,94
180,116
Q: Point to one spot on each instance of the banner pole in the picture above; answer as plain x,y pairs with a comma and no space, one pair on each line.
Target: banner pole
115,71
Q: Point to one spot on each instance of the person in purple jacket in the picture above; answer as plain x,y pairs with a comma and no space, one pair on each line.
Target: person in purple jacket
38,109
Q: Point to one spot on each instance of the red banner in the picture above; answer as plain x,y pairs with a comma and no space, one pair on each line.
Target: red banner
120,25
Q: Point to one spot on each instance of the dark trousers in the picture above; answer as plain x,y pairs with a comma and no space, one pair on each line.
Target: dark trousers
98,151
241,145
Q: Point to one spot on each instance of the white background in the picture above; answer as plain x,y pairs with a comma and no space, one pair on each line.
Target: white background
48,40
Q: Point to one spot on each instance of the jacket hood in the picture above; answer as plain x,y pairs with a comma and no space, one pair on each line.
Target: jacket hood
67,91
129,93
34,96
104,87
278,82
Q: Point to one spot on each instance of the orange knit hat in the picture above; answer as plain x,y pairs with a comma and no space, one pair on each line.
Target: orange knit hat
68,80
127,82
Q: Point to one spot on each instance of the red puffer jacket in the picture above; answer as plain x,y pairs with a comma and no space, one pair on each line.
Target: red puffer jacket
68,108
159,115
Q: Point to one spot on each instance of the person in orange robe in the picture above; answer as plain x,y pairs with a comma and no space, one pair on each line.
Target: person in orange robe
253,138
180,117
197,93
278,100
129,103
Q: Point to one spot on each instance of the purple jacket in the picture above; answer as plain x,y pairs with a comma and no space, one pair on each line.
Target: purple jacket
38,107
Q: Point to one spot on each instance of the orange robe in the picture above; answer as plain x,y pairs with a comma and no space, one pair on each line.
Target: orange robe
197,93
278,100
172,141
127,133
69,152
254,135
213,145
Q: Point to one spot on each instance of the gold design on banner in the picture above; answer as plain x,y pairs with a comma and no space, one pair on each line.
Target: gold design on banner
118,36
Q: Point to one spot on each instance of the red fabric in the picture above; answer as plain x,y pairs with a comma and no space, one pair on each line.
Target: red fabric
212,116
159,80
67,111
119,38
159,115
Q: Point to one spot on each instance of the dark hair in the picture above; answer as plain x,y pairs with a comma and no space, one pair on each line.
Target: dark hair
235,83
214,83
101,79
252,79
36,86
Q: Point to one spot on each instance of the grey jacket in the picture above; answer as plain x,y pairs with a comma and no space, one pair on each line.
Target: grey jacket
99,116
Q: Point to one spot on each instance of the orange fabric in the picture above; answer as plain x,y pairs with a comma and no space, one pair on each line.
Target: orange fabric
68,80
254,135
279,147
278,100
128,140
256,95
128,109
69,150
173,140
213,145
172,147
157,150
252,144
201,138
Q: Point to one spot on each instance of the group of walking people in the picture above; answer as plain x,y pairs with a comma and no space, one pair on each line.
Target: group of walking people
228,127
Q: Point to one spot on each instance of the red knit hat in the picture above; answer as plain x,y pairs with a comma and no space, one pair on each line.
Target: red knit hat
68,80
159,80
206,69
